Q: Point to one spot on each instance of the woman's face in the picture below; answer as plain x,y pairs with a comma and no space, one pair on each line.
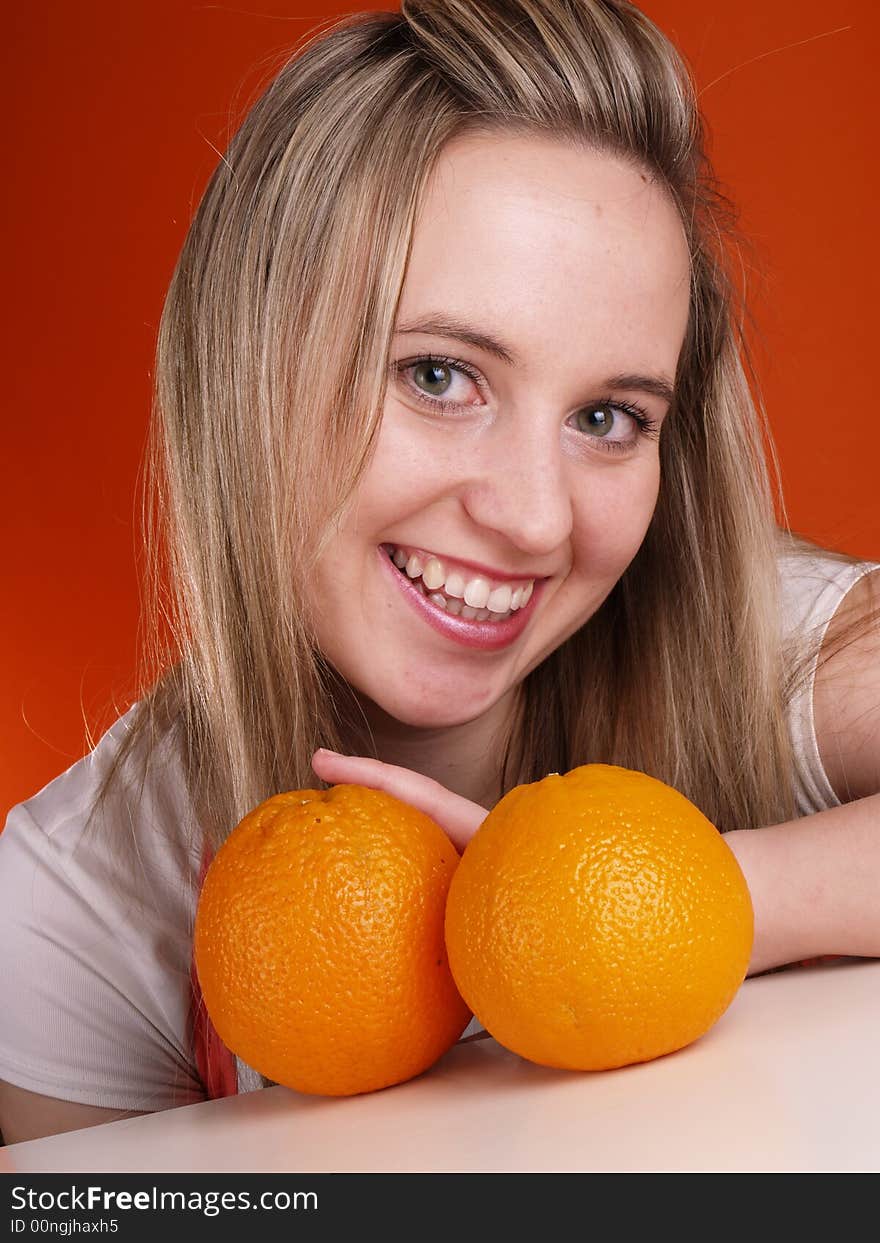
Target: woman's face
542,316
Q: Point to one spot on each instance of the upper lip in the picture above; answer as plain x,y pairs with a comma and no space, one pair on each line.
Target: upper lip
486,571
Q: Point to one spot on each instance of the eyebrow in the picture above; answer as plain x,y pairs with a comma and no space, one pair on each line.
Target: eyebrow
446,326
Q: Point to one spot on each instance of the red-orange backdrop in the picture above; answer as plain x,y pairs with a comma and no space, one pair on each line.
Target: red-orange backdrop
115,114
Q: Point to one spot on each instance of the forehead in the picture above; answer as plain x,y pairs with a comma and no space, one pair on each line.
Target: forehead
559,242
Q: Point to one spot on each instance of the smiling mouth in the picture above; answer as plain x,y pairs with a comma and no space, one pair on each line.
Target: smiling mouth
471,596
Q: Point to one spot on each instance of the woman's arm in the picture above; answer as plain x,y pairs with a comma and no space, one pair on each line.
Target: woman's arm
815,884
28,1115
815,881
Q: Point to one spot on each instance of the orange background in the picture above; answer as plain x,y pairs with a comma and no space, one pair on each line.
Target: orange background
114,116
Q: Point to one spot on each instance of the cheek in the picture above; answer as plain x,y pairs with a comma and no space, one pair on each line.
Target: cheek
408,469
390,487
611,514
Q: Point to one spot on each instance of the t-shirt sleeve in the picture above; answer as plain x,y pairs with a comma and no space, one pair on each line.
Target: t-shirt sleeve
94,955
813,588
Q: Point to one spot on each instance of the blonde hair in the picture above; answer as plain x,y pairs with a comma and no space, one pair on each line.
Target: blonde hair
270,381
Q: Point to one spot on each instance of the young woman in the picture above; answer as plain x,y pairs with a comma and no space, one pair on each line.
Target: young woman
456,471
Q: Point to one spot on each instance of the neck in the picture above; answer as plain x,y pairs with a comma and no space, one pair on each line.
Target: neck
465,758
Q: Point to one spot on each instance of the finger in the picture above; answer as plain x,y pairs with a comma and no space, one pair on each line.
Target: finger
405,784
457,816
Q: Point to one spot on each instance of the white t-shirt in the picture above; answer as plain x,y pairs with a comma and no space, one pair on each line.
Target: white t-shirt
96,956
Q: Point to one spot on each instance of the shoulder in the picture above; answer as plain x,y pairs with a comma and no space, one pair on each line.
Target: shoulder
846,693
97,921
133,848
146,807
813,583
45,835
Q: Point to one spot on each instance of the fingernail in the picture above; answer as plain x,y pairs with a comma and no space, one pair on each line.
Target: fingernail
326,751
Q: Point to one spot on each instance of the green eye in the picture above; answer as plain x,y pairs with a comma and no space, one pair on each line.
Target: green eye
434,378
598,420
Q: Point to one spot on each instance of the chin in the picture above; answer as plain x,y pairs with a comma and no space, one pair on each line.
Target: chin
429,716
430,709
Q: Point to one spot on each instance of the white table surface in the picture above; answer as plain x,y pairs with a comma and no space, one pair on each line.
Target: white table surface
787,1080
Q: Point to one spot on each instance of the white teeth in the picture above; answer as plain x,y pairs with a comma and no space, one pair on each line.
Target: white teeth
460,596
459,609
477,592
455,585
432,574
499,600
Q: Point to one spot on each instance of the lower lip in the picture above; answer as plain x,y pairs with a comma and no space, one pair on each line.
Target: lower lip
485,635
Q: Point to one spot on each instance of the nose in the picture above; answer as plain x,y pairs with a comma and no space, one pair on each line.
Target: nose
517,483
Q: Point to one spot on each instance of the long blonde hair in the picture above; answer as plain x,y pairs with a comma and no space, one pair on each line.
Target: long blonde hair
270,381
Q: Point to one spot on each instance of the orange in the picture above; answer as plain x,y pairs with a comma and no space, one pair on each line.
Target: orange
598,919
319,941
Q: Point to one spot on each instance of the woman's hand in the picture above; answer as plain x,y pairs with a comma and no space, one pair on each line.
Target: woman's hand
458,817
